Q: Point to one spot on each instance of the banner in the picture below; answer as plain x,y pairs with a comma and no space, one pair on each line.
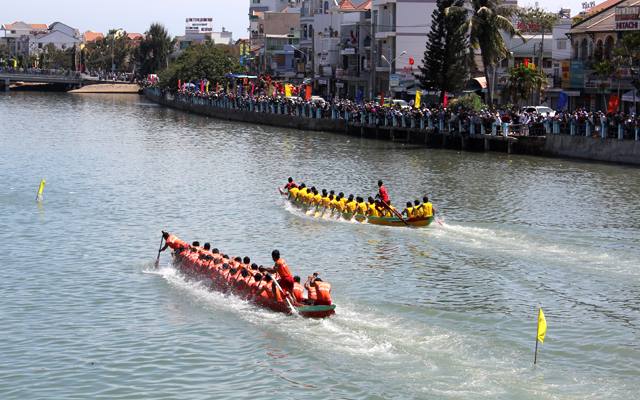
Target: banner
381,98
287,90
358,97
562,100
253,85
614,102
207,86
446,100
307,93
418,94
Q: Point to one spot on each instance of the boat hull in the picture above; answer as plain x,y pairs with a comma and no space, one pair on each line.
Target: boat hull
307,311
386,221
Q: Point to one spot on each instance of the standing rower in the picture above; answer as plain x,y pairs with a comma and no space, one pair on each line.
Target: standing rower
290,184
286,279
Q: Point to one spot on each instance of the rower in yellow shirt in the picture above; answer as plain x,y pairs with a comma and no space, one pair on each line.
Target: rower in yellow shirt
361,208
351,205
326,199
372,209
302,194
427,207
317,199
418,212
293,193
408,211
337,205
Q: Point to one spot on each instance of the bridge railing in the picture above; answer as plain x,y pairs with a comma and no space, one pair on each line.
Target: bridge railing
40,71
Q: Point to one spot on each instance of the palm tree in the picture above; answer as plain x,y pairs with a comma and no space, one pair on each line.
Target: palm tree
523,80
486,19
604,70
154,50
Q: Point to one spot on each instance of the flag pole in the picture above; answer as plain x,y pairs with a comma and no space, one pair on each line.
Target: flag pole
535,357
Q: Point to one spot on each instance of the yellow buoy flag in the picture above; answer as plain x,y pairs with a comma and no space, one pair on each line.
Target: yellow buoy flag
42,182
418,94
542,326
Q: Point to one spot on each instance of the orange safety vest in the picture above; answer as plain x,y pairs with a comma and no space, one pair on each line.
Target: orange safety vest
298,291
323,289
282,269
312,293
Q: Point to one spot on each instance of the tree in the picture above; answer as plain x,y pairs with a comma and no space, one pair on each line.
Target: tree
604,70
444,66
154,49
522,81
200,61
486,20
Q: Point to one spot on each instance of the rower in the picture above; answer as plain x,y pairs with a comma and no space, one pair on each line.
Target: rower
351,205
417,210
311,291
408,211
427,208
298,290
317,199
172,241
362,206
290,185
323,290
293,193
302,194
373,208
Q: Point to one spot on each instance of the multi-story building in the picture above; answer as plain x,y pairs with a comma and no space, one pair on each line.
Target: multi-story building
270,32
19,36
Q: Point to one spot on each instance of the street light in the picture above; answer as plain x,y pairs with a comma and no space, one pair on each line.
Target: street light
390,64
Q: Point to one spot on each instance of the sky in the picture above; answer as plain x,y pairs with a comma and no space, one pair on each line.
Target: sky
137,16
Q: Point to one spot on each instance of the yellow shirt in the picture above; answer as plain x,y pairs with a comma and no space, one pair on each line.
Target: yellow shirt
418,211
410,212
351,206
326,202
373,211
302,194
317,199
427,209
339,205
293,192
361,209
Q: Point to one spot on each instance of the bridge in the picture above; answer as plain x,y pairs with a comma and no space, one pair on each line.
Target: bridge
8,75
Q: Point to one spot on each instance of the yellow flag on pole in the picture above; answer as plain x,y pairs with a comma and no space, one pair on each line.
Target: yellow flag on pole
207,86
418,94
287,90
542,326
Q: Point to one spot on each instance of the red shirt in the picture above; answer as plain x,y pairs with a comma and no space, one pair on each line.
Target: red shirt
290,185
382,194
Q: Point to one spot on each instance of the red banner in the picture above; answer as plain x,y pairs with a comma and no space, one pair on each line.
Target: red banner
614,102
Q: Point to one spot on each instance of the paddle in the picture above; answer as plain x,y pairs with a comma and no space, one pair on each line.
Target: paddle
395,212
159,251
293,310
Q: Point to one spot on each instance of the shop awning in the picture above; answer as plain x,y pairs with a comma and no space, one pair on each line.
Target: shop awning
629,96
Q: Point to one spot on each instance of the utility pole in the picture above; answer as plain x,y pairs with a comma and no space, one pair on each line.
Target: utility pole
313,51
372,89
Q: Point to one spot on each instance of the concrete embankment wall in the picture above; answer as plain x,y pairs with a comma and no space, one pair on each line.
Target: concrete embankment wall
593,148
588,148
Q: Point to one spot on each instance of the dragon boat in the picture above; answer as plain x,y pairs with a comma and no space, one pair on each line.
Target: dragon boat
387,221
198,269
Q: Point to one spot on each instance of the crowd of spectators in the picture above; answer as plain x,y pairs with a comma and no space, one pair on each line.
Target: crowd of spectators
428,115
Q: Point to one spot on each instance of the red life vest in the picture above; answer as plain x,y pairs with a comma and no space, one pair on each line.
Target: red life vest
298,291
323,290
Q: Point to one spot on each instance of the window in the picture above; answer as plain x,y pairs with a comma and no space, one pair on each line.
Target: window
39,45
326,7
256,1
562,45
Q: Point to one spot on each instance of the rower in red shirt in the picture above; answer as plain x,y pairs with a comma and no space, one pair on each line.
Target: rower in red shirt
290,184
382,196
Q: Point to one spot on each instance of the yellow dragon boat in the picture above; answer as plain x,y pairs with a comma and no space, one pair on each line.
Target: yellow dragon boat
386,221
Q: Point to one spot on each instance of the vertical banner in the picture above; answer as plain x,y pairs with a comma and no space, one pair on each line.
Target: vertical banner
287,90
614,102
272,91
253,86
202,86
207,86
179,84
381,98
562,100
240,90
418,95
217,87
358,97
307,93
446,100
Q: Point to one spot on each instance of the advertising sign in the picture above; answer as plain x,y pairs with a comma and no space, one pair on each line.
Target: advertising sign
199,25
394,79
576,73
627,18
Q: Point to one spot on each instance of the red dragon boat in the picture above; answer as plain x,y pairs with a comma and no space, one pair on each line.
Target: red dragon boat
195,269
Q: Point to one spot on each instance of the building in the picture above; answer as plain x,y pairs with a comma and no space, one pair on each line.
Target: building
91,36
270,32
593,40
18,36
199,30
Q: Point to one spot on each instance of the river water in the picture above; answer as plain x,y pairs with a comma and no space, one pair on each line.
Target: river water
440,312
